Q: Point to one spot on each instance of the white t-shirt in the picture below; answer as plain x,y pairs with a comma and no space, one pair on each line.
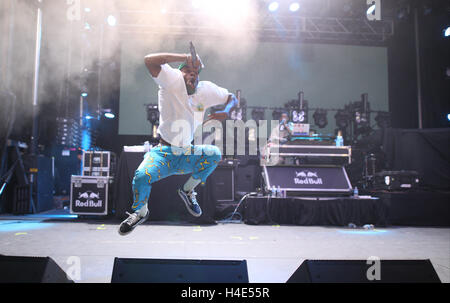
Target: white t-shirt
181,114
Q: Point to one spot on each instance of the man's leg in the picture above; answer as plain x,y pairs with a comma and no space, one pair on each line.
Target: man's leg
153,168
202,162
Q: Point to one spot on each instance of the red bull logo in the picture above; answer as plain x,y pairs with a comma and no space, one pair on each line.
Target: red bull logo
307,177
88,199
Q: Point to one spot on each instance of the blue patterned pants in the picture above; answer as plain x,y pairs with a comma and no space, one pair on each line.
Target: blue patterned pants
163,161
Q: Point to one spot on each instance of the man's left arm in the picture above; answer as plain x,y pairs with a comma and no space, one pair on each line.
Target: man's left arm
231,102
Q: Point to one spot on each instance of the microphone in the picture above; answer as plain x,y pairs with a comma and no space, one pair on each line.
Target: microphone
193,53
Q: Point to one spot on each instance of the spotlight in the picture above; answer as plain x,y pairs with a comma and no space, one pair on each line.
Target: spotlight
403,13
88,117
383,119
448,117
111,20
152,114
258,113
447,32
294,6
320,118
84,94
273,6
276,114
343,118
108,113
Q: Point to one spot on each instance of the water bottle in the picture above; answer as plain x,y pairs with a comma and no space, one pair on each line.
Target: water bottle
355,192
339,139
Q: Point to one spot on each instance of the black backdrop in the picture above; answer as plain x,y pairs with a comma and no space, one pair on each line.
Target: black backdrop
426,151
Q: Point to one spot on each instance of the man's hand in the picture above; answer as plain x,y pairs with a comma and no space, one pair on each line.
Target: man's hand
216,116
189,62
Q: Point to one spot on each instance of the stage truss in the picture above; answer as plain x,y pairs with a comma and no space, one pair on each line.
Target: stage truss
267,27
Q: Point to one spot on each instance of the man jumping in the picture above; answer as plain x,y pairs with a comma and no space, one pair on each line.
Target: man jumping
182,101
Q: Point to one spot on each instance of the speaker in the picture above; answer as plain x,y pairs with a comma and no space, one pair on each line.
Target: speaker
223,181
178,271
31,270
247,178
359,271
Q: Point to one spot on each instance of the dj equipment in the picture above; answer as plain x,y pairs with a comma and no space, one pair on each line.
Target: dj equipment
319,170
316,154
311,140
308,180
178,271
395,180
300,129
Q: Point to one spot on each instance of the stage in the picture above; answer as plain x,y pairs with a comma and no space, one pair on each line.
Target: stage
273,252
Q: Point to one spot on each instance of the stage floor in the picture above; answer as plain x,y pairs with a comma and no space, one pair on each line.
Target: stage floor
273,253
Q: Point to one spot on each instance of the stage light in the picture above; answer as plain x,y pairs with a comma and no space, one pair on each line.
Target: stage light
152,113
108,113
276,114
163,11
84,94
111,20
258,113
87,26
294,6
448,117
343,118
87,9
273,6
383,119
196,3
88,117
403,12
371,9
447,32
320,118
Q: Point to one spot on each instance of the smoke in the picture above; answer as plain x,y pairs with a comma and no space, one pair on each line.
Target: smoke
221,28
77,41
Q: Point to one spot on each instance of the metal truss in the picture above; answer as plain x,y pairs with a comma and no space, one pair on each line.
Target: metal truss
267,27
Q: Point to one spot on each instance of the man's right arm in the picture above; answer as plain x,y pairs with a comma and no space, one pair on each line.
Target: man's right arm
154,61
